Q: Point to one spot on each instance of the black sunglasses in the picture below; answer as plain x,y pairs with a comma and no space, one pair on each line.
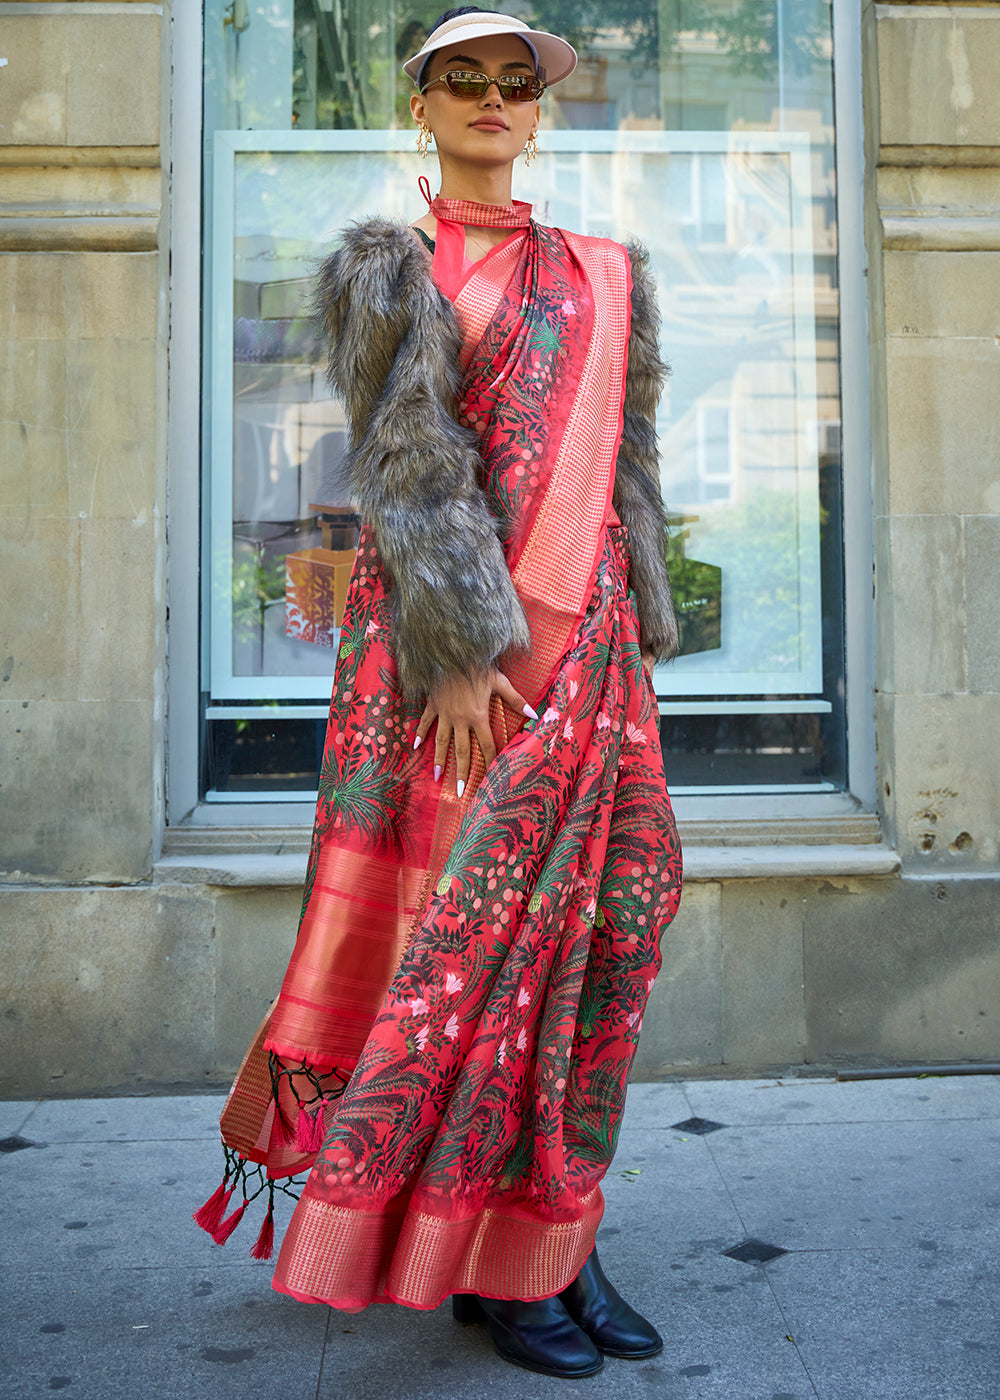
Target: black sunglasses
516,87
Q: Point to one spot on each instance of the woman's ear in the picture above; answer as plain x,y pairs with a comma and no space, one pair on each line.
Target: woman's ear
418,108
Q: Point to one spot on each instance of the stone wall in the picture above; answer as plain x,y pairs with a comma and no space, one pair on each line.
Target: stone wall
934,126
121,970
82,354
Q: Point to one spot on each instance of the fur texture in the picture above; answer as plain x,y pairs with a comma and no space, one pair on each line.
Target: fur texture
637,496
416,473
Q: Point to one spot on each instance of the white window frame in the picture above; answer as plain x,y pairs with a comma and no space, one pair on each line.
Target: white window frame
184,489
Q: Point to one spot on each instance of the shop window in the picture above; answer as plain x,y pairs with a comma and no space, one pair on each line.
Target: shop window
705,128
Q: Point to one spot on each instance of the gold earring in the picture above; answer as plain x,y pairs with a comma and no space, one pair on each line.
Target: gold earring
424,138
531,149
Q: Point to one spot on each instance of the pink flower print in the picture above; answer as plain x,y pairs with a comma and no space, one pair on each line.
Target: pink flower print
451,1028
568,729
602,721
550,714
418,1006
632,1017
452,984
649,984
522,1040
502,1050
635,734
591,909
372,627
574,686
568,308
422,1036
523,998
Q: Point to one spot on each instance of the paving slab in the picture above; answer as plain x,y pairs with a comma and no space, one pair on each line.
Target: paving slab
151,1119
158,1334
120,1204
841,1186
885,1194
14,1117
895,1325
758,1101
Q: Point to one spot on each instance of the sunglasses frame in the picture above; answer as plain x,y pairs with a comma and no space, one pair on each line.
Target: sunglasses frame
502,78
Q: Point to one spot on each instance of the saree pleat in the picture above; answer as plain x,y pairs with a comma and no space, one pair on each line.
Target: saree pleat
475,969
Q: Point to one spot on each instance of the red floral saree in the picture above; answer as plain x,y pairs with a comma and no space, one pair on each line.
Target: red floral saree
463,1003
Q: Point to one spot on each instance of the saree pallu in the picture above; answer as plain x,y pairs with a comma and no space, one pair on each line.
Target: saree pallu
475,969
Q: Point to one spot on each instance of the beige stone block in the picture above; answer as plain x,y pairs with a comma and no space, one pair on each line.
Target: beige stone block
945,783
104,988
954,191
37,49
70,188
34,470
80,612
944,430
79,296
763,1006
885,642
113,87
683,1022
97,394
82,79
77,795
982,601
928,604
937,75
942,294
254,936
903,970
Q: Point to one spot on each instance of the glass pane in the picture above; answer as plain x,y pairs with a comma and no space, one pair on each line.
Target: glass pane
704,128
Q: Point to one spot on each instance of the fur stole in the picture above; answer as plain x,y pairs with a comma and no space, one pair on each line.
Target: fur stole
415,472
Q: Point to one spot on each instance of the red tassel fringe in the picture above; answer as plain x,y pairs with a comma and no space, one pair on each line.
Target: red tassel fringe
283,1130
264,1247
228,1226
310,1129
210,1214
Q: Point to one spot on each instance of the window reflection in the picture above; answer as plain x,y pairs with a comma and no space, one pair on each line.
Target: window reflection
750,426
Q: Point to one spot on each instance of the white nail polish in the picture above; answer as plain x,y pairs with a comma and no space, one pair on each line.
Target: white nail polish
530,712
461,787
416,742
437,772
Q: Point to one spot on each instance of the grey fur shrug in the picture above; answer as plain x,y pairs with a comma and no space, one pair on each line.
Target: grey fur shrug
415,472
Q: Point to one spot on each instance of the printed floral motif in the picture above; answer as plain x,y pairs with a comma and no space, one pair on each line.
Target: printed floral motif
495,1072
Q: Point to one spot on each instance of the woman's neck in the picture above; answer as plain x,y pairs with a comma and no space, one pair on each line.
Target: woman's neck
484,186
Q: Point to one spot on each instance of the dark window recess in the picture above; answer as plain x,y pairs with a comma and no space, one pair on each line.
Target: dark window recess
263,755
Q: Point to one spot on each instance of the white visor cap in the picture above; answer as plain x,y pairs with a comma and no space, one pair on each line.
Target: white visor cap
555,58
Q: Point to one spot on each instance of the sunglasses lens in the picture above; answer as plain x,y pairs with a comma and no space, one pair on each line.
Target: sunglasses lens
512,89
466,84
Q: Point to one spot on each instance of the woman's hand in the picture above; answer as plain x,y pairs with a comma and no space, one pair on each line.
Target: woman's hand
460,705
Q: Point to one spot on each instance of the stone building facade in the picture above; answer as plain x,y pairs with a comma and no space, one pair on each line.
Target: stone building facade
141,950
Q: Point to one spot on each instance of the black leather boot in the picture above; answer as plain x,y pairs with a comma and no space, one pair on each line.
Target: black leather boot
607,1319
540,1336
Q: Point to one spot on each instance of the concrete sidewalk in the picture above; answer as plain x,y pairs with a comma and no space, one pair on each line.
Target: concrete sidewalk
885,1196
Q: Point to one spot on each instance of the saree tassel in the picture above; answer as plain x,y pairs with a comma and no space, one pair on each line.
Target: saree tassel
310,1129
210,1214
284,1133
264,1247
229,1225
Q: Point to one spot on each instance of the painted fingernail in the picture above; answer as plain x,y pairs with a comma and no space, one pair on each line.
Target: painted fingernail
461,787
416,742
530,712
437,772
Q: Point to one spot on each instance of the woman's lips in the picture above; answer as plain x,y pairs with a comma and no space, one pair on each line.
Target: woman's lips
487,124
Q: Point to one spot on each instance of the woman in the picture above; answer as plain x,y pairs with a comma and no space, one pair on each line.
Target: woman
480,928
